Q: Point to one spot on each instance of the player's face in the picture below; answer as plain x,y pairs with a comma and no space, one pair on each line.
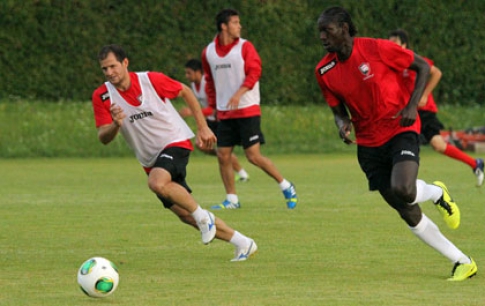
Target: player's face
331,35
234,27
191,75
115,72
397,40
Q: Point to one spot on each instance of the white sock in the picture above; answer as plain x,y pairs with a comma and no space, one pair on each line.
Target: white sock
284,184
430,234
199,214
426,192
243,174
240,240
232,198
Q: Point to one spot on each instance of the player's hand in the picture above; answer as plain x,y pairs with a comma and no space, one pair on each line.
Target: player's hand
117,114
345,131
205,139
185,112
408,116
423,101
233,103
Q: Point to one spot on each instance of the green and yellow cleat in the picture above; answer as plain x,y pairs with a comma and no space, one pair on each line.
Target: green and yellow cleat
447,207
463,271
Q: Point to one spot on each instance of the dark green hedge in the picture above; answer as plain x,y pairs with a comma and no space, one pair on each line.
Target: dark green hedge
49,47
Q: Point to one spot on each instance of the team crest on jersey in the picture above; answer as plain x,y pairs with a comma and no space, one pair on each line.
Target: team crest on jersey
104,96
365,70
325,68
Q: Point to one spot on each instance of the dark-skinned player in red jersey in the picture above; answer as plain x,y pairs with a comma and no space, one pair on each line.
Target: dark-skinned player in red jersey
361,80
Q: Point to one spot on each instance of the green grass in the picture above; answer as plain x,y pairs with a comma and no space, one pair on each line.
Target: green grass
67,129
341,246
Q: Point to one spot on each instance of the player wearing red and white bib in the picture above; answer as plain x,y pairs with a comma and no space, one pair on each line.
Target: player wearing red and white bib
363,77
137,105
195,75
427,109
233,67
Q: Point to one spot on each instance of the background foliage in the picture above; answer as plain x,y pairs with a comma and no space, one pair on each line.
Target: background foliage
49,47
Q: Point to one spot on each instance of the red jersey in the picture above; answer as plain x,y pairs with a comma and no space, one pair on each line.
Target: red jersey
165,87
371,85
409,80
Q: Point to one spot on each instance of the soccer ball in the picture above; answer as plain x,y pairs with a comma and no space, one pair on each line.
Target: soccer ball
98,277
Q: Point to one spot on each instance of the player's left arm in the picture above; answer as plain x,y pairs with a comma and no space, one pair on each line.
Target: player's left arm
422,69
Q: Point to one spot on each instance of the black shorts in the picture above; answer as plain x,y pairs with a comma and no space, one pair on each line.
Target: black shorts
240,131
430,125
213,126
175,161
377,162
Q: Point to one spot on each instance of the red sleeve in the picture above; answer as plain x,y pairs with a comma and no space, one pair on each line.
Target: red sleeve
394,55
210,89
207,111
165,86
101,104
252,65
330,98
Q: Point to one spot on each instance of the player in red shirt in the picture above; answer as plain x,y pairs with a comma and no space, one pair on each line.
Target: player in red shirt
232,68
427,109
138,106
363,77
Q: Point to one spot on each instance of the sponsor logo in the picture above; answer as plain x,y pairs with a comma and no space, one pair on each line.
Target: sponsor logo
407,152
365,70
166,156
104,96
139,116
325,68
255,137
223,66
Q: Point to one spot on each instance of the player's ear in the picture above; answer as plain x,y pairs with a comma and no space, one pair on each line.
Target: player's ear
345,27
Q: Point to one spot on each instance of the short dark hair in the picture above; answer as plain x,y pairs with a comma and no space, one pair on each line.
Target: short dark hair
117,50
340,15
224,16
194,64
402,34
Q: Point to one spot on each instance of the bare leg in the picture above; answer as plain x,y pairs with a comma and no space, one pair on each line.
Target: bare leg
236,166
254,156
225,168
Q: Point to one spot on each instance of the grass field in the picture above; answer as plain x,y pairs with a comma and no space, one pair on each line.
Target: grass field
341,246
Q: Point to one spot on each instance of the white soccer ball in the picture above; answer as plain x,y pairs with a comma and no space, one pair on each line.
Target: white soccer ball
98,277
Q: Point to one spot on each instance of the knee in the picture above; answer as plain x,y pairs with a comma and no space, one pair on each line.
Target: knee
224,157
158,188
406,192
253,159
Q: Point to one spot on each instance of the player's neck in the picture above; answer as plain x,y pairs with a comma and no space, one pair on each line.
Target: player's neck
346,50
225,39
124,85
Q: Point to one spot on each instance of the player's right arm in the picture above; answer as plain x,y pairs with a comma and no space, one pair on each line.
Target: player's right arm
108,117
343,122
108,132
